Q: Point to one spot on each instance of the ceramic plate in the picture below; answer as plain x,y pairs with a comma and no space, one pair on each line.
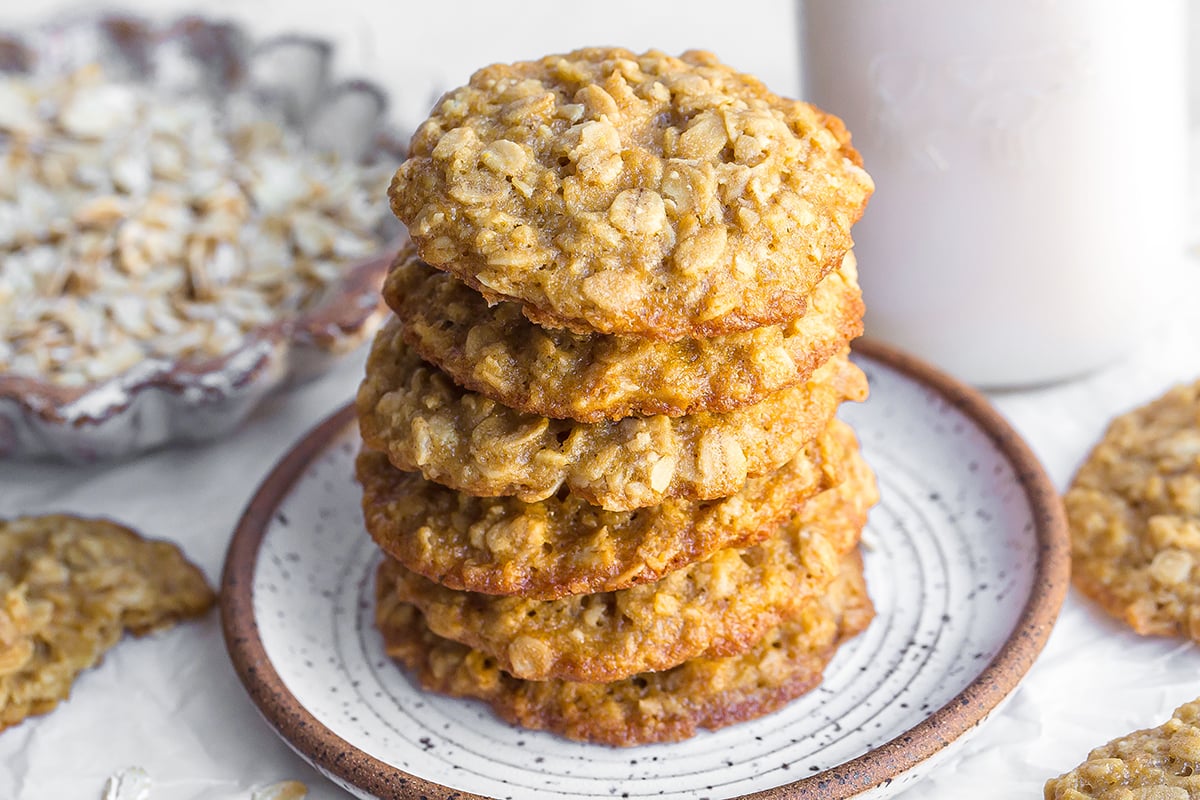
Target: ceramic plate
966,561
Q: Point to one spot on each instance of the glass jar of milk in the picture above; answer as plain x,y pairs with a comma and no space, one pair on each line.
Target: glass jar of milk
1029,159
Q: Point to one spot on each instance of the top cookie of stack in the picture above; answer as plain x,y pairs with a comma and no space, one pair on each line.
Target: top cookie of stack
620,194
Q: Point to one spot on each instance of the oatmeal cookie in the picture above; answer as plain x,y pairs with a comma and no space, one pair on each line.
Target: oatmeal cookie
423,421
717,607
1156,764
69,588
497,352
1134,514
559,547
643,194
655,707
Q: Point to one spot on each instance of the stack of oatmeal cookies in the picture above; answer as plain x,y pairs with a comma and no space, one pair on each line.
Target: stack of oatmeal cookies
601,453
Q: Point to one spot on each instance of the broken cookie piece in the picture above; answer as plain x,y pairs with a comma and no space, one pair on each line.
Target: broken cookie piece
1162,763
1134,512
69,589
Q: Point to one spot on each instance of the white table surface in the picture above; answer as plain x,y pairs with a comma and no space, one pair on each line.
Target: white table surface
172,704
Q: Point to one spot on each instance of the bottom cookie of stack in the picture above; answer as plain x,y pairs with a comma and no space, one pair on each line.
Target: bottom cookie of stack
651,707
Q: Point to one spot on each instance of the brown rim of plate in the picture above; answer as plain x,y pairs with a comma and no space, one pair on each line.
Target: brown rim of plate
878,767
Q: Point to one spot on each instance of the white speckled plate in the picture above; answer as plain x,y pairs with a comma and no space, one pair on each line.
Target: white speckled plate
966,561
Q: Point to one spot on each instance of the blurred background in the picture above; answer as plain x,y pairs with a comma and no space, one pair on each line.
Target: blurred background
416,50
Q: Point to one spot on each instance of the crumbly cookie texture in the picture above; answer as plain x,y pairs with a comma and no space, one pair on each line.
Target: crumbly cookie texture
717,607
655,707
423,421
559,547
69,588
1162,763
497,352
1134,514
621,193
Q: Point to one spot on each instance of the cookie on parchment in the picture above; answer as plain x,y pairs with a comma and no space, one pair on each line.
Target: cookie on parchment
424,421
716,607
1155,764
612,192
655,707
69,589
496,351
558,547
1134,514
